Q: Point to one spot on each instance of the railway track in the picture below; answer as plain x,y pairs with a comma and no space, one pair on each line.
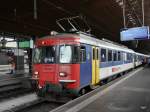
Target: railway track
14,93
10,83
28,102
43,106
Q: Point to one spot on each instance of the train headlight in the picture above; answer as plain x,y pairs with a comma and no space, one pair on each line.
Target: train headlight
36,73
62,74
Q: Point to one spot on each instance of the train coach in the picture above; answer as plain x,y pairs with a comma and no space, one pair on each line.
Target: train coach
140,58
68,63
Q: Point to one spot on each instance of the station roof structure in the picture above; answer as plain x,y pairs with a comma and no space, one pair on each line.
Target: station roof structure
38,17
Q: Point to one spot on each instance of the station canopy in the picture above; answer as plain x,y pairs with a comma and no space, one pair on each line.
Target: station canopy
38,17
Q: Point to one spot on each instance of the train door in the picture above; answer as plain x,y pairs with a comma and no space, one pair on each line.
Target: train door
95,65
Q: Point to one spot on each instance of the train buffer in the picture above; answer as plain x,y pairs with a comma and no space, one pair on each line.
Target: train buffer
130,93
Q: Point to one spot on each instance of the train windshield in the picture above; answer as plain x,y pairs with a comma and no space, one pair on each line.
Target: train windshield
68,54
65,54
45,55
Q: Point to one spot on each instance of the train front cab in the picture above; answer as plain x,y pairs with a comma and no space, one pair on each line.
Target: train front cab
58,71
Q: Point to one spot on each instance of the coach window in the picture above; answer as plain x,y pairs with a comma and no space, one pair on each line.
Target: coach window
128,56
103,55
131,56
114,56
119,56
125,56
82,54
109,55
137,58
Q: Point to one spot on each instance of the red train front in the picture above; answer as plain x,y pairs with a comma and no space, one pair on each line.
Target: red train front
56,65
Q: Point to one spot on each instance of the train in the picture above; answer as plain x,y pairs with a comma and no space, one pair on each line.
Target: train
68,63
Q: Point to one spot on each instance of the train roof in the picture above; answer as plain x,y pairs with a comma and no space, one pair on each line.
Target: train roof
87,39
140,54
92,40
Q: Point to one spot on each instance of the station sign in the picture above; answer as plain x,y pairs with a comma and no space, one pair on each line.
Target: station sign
136,33
26,44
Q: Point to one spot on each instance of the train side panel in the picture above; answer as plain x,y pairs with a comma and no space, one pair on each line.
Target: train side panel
110,68
86,67
113,70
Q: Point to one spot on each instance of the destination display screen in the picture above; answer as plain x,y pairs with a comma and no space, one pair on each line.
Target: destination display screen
136,33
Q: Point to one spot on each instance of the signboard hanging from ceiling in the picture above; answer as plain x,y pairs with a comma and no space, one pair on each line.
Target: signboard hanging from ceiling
26,44
136,33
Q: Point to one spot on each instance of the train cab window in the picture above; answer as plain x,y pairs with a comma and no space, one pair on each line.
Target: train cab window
109,55
114,56
76,54
82,54
103,55
45,55
119,56
65,54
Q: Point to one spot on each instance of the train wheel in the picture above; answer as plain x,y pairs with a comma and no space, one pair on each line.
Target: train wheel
109,79
121,74
82,92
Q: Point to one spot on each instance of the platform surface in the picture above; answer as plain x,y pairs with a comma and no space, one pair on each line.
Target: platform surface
132,95
129,94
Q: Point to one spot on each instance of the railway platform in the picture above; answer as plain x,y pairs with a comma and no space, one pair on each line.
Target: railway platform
130,93
13,81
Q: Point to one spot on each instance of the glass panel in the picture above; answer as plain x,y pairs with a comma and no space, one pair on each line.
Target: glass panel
93,53
37,55
97,53
119,56
82,54
103,55
109,55
76,54
45,55
115,56
65,54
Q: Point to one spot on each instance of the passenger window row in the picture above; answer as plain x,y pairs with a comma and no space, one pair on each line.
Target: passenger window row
108,55
105,55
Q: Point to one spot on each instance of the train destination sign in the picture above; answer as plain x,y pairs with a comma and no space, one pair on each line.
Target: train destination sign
136,33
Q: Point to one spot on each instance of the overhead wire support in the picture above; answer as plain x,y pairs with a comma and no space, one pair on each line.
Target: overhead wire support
35,9
143,12
133,11
124,13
